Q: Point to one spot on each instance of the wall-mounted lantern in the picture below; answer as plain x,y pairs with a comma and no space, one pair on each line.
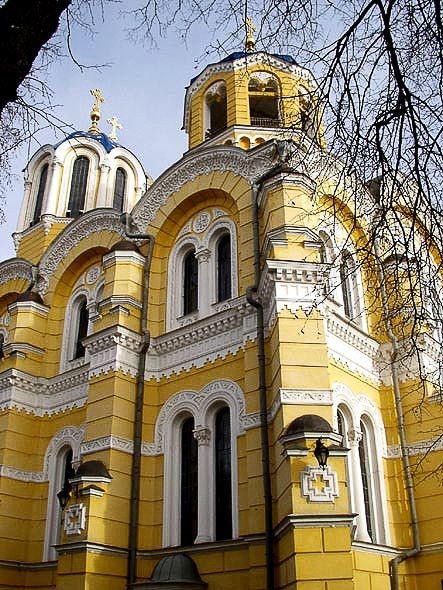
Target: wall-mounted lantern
321,453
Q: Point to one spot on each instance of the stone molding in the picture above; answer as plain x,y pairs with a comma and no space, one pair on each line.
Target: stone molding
310,478
16,268
113,349
40,396
87,224
205,341
249,165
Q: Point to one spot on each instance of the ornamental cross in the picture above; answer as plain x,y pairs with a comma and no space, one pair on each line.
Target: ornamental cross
97,94
115,124
250,29
95,112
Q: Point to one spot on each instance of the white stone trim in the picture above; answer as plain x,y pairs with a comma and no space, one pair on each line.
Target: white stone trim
201,405
200,234
309,479
350,346
16,268
249,165
75,519
359,408
113,349
79,229
205,341
39,396
69,437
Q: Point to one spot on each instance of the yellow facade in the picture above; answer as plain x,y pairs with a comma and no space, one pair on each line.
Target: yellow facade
218,302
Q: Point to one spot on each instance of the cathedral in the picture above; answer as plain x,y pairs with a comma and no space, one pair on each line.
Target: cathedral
200,383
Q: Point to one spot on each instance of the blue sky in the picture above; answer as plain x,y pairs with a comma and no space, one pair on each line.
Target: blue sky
143,87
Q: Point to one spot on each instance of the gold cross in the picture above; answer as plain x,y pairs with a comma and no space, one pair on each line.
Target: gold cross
97,94
95,112
115,124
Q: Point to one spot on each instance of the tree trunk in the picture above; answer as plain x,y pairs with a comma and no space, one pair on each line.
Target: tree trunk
25,26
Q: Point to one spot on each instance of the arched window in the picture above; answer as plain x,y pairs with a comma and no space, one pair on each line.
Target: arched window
223,475
307,114
224,271
366,475
190,283
349,287
216,109
63,471
119,189
82,328
189,484
79,182
40,194
363,473
263,90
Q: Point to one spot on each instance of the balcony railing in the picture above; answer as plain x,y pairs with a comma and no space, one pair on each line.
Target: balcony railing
266,122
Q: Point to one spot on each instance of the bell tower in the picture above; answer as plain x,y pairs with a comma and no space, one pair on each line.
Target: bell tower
252,96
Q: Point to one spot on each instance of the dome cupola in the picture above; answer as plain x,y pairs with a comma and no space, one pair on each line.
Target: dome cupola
84,171
249,97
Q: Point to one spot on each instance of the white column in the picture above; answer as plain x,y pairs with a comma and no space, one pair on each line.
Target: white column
358,500
102,197
53,193
203,437
203,256
21,224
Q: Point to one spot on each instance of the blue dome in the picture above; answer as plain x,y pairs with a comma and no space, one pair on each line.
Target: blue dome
102,138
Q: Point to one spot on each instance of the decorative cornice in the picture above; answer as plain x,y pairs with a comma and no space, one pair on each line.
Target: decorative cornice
113,349
421,447
40,396
350,346
84,226
206,340
16,268
31,306
249,165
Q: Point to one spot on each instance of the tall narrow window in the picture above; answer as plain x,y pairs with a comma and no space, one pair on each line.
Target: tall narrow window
40,194
190,283
82,328
347,279
79,182
224,268
363,452
216,109
223,476
189,484
67,470
119,189
263,91
2,343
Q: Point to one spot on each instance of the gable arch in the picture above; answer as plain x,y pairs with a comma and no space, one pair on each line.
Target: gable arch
75,239
248,166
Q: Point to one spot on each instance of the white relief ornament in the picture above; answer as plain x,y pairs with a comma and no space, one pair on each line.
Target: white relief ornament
75,519
201,222
354,437
92,275
202,435
319,485
5,319
216,213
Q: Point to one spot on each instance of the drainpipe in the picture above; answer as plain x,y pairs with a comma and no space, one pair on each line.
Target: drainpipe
138,416
394,563
252,299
